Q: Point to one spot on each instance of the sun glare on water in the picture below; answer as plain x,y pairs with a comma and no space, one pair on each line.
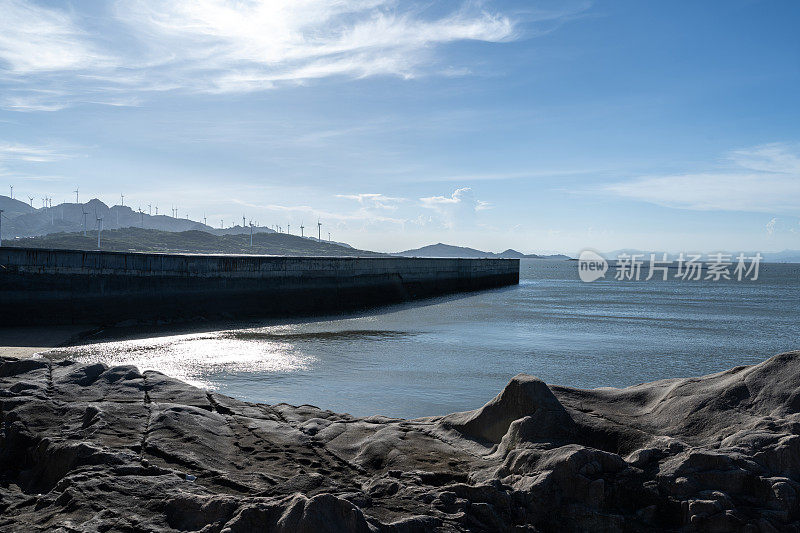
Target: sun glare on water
195,359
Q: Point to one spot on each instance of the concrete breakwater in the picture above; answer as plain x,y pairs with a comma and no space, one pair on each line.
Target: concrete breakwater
65,286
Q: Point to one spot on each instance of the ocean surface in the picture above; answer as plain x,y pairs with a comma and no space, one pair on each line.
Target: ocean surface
456,353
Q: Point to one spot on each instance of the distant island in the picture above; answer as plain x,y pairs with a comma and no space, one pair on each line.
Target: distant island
448,250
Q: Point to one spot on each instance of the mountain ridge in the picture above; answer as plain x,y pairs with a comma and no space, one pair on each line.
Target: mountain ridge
133,239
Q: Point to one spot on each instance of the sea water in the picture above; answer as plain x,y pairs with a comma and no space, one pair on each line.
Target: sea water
455,353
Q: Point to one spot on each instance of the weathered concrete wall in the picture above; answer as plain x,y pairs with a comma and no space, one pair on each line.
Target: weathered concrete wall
64,286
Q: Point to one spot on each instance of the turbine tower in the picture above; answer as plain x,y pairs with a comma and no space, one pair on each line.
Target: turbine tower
205,222
302,227
319,230
30,199
288,229
76,194
99,230
243,223
12,191
141,215
149,210
85,212
122,199
251,233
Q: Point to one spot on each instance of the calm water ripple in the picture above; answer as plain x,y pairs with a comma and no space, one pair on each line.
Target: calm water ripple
452,354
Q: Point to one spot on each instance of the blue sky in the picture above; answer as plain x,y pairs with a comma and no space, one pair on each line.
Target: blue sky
540,126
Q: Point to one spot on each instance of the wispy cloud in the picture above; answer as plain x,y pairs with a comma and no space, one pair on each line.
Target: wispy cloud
359,217
771,226
38,39
30,153
215,46
760,179
775,157
253,45
374,200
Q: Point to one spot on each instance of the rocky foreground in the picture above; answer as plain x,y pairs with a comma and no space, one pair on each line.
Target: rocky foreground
91,448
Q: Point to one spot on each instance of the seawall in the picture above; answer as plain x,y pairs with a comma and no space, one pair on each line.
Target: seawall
40,286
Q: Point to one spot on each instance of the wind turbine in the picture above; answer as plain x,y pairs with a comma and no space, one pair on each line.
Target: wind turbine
221,224
288,229
329,236
205,222
30,199
150,210
122,199
319,230
156,209
85,212
99,229
243,224
2,216
141,215
251,233
302,227
76,194
12,191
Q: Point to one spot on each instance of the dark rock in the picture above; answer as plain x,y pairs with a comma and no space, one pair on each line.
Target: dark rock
91,448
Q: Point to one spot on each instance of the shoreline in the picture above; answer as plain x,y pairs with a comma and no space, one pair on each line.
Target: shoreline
27,341
716,452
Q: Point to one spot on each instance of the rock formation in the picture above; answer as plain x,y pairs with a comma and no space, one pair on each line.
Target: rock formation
92,448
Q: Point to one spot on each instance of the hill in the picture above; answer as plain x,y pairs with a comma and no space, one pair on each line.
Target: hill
193,241
448,250
22,220
13,208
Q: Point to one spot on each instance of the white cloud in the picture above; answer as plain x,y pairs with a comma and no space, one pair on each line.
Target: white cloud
360,217
762,179
771,226
30,153
775,157
374,200
216,46
458,209
38,39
